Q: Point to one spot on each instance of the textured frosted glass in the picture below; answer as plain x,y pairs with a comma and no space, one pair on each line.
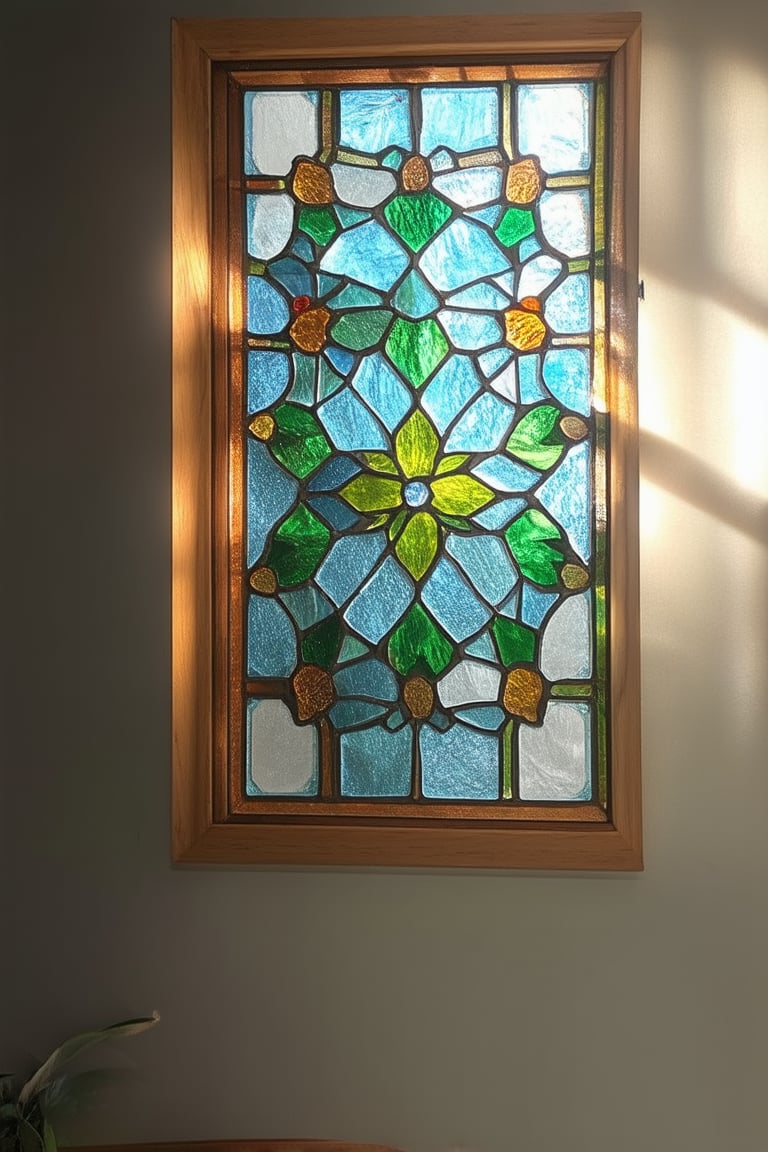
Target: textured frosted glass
381,602
363,187
367,253
372,120
505,384
459,764
451,388
482,427
504,474
555,759
565,221
383,390
375,762
451,601
268,376
271,639
350,425
469,330
270,494
307,606
461,253
487,563
554,125
566,648
568,308
270,224
537,275
267,310
369,678
469,683
567,495
463,119
471,187
279,126
348,563
281,756
566,375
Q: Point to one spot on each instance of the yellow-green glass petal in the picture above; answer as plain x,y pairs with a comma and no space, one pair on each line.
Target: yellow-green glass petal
373,493
378,462
417,546
459,495
416,446
450,463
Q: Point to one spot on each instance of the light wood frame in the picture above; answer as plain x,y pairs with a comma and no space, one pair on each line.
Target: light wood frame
203,831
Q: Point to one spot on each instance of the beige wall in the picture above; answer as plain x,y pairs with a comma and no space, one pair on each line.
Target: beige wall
620,1013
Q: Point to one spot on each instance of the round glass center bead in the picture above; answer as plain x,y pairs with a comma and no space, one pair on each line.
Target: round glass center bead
416,494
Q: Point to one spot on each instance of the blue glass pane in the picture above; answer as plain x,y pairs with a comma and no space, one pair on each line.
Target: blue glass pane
505,384
482,427
267,310
529,378
499,514
567,495
337,513
303,249
537,274
453,386
528,247
326,284
350,425
307,606
349,216
348,563
565,221
470,330
367,253
569,308
414,298
271,639
507,282
395,720
487,563
536,604
269,224
459,764
328,381
489,216
279,126
340,359
355,296
271,492
470,187
353,713
482,647
451,601
511,607
462,119
505,475
375,762
490,362
461,253
485,717
383,390
442,161
553,124
374,119
294,276
381,602
268,375
480,296
333,474
351,649
393,159
303,390
566,374
367,678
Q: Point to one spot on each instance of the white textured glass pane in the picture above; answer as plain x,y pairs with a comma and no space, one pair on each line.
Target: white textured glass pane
282,757
363,187
565,221
566,650
471,187
538,274
554,125
469,683
555,759
279,126
270,224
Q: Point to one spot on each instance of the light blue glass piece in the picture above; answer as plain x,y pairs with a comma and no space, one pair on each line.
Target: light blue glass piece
469,330
271,492
340,359
375,118
303,249
489,216
381,602
348,563
415,494
566,375
567,495
537,275
376,762
462,119
369,678
328,381
482,647
566,643
505,475
482,427
491,362
511,607
383,390
307,606
505,384
553,123
355,296
271,639
487,563
303,390
281,756
353,713
393,159
483,296
500,514
452,602
528,247
395,720
453,386
362,186
332,475
279,126
267,310
470,187
536,604
350,216
490,719
555,759
326,284
367,253
351,649
565,221
413,297
569,307
293,276
269,224
529,378
268,376
461,253
442,161
507,282
350,425
459,764
336,513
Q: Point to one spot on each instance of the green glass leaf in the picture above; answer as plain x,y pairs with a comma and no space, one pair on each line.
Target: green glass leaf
532,440
416,446
516,642
359,330
377,522
321,645
417,547
416,348
378,462
297,548
457,522
460,494
450,464
372,493
298,442
416,216
514,226
418,645
527,538
318,223
397,523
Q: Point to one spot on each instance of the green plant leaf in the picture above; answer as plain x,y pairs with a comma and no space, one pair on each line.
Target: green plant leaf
416,446
527,537
417,546
459,494
531,440
372,493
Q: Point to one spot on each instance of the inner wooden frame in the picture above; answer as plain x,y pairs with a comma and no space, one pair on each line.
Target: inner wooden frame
207,825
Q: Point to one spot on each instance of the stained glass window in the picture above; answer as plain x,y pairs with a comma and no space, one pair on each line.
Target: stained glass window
413,432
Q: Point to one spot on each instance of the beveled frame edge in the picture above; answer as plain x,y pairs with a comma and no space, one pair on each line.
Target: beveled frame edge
196,838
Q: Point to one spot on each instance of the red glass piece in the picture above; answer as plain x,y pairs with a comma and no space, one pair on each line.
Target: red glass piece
301,303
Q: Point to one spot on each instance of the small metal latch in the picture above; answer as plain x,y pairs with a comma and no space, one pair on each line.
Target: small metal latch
641,290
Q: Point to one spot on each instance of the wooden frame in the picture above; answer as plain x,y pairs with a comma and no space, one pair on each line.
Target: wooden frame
204,828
